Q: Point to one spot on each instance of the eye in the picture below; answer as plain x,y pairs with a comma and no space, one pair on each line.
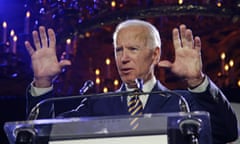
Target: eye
119,49
133,48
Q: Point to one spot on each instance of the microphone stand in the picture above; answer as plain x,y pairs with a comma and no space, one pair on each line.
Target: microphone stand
190,127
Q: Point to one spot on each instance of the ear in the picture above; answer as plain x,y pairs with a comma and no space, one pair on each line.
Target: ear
156,55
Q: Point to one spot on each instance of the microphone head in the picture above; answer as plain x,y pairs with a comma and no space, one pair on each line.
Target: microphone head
89,83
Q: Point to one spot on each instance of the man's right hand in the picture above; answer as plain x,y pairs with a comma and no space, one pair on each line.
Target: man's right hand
45,63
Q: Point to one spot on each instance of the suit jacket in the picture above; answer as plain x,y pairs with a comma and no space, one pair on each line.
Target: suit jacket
223,120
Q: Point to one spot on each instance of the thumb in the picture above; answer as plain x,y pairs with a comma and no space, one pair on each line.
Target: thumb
64,63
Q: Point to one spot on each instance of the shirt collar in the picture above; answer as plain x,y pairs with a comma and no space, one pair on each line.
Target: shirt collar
147,86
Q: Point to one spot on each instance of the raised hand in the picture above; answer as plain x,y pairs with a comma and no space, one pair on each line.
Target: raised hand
187,63
45,63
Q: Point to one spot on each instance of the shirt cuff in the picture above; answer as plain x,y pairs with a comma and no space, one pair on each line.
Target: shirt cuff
202,87
35,91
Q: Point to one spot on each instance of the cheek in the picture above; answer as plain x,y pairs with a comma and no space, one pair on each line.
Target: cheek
145,64
117,61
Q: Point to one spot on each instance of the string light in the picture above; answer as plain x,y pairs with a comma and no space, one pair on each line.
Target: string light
68,41
105,89
223,55
12,33
98,81
219,74
97,72
231,63
180,2
4,38
113,4
15,38
87,34
115,82
108,61
219,3
4,24
28,14
226,67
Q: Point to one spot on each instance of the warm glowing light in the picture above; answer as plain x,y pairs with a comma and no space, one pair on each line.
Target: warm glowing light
105,89
97,72
97,81
238,83
68,41
12,33
107,61
15,38
219,74
87,34
231,63
219,4
180,2
28,14
223,55
116,82
4,24
113,4
121,5
226,67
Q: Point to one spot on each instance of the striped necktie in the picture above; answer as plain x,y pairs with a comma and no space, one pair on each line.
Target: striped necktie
135,108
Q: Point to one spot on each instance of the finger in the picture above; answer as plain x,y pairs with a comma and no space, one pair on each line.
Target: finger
52,38
189,43
165,64
64,63
43,36
36,40
176,39
197,43
182,28
29,48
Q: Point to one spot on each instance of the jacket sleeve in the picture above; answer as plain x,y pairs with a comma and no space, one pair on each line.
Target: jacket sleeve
46,110
222,117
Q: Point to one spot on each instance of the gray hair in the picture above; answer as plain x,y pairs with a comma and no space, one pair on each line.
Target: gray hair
153,35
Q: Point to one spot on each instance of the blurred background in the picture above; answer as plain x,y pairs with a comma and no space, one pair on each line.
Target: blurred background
84,31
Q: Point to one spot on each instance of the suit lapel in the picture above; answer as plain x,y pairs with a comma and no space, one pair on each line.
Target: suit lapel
156,101
123,98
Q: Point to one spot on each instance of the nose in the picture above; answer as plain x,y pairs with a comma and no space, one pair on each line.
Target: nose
125,57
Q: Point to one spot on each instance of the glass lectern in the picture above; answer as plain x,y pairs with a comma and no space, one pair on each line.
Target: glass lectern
164,128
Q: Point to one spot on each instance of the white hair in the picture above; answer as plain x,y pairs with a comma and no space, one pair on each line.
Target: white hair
154,35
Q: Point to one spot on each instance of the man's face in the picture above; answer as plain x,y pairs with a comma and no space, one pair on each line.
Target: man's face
134,58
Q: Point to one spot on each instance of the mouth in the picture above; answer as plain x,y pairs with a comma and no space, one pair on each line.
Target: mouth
126,70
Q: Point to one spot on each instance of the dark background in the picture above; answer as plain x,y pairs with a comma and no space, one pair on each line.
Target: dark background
12,88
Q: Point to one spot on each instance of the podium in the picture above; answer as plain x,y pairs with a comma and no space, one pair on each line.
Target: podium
160,128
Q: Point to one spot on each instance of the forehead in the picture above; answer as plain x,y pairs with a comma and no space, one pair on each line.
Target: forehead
132,33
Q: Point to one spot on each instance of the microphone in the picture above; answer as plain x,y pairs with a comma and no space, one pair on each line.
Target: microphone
87,85
35,110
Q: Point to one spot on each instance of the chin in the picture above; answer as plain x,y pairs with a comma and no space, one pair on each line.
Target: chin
129,80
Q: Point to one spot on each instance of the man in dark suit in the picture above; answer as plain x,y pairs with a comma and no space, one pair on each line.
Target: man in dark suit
137,48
